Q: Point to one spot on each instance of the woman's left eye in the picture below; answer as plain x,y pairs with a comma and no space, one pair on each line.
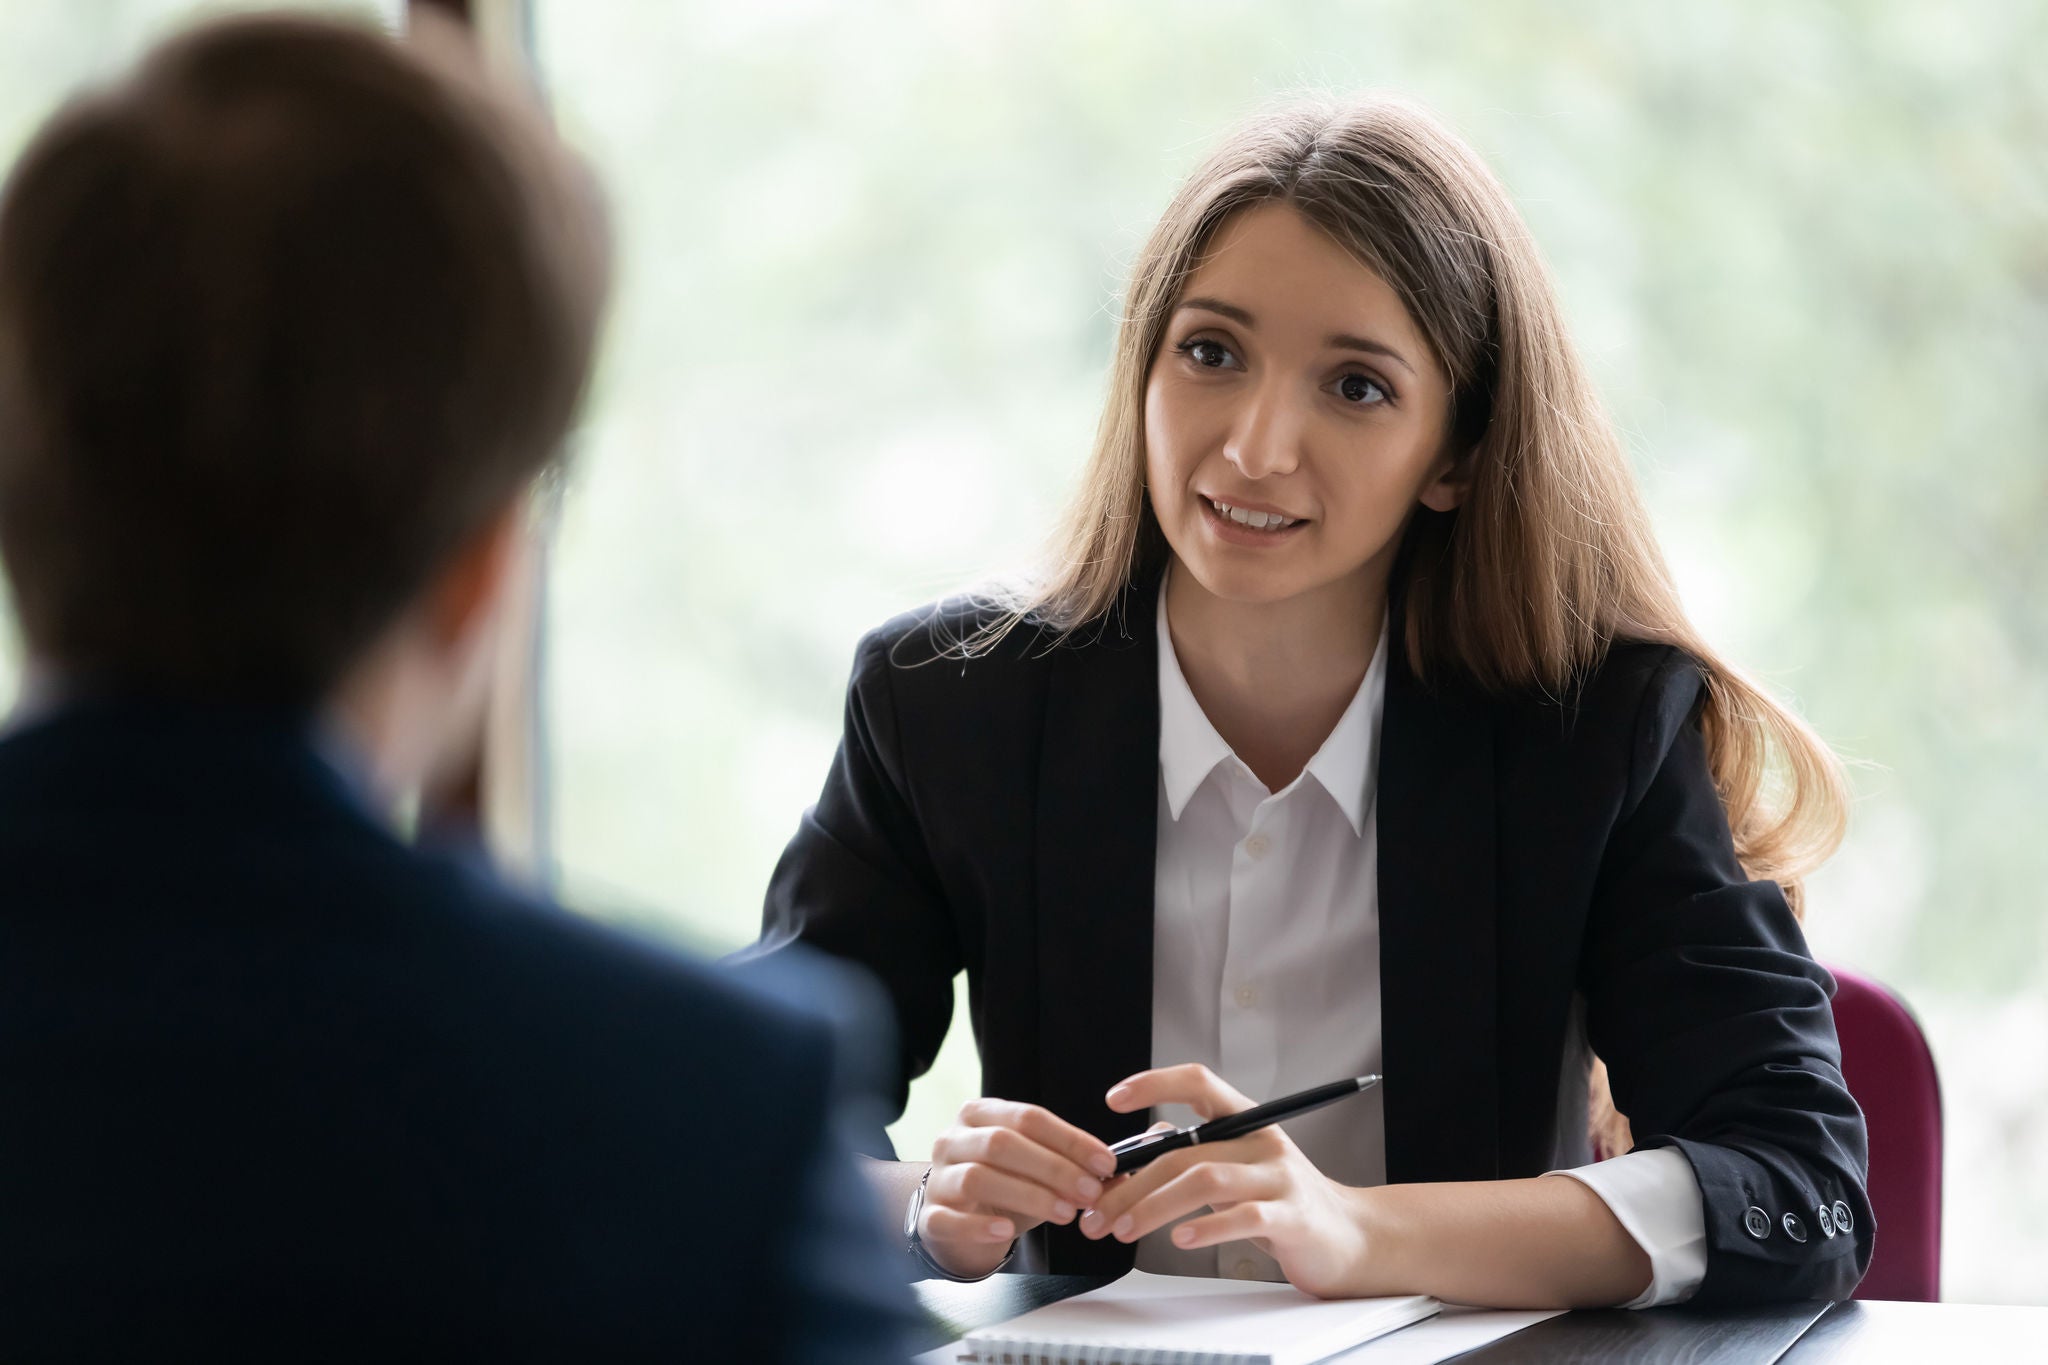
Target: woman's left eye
1359,389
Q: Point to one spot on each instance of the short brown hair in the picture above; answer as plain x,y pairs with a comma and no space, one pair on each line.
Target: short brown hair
286,315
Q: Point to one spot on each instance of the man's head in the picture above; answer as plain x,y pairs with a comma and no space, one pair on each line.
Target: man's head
289,319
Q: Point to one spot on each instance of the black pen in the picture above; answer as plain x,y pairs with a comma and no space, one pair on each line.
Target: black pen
1144,1148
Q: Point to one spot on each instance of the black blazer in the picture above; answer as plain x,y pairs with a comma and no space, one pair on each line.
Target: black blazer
999,816
279,1086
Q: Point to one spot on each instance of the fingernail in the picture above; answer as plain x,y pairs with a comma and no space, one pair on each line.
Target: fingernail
1117,1092
1103,1164
1063,1212
1123,1225
1183,1236
1090,1189
1091,1223
1002,1227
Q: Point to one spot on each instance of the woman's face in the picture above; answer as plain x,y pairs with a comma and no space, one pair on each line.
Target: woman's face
1294,416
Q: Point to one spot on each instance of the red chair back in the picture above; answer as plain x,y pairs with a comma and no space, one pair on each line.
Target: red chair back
1890,1071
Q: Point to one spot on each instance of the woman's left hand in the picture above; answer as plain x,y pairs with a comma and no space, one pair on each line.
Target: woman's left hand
1260,1186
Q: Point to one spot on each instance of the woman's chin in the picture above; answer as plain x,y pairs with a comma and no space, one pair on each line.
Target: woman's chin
1228,579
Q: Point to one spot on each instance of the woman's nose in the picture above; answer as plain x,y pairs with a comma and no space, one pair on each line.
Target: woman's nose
1265,440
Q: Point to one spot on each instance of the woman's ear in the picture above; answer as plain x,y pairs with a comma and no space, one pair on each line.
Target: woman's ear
1449,483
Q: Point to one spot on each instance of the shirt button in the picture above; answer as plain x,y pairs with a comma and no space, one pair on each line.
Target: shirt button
1247,996
1244,1270
1757,1223
1258,846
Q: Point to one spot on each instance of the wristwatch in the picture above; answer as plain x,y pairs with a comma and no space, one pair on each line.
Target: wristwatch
925,1258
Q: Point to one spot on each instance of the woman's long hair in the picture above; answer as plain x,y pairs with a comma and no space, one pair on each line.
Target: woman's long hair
1549,559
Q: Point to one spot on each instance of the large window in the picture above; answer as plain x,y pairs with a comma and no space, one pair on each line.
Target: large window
870,255
47,49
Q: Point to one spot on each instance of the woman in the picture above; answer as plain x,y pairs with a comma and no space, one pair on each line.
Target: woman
1356,727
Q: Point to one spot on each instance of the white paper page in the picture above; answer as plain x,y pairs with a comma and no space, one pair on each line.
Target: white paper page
1424,1343
1172,1312
1450,1333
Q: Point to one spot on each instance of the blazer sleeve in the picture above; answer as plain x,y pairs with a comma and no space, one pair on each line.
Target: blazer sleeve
858,883
842,1300
1716,1025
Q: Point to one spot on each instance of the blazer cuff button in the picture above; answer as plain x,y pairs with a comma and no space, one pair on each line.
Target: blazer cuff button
1843,1222
1794,1229
1826,1221
1757,1223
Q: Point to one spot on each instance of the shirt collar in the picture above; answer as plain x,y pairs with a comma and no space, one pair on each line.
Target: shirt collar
1189,747
1346,765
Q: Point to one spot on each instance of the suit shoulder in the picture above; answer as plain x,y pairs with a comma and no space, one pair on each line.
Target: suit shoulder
968,656
1596,746
539,956
1622,713
1631,679
965,629
1638,677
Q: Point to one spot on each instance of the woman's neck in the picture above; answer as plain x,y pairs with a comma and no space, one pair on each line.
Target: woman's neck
1274,678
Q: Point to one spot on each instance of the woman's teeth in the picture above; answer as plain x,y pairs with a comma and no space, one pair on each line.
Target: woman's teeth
1258,521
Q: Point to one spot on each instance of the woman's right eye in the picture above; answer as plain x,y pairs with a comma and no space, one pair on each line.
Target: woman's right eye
1210,355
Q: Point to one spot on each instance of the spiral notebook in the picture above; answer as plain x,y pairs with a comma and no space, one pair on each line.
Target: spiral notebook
1147,1319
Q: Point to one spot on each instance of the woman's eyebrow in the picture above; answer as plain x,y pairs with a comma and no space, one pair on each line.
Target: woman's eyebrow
1343,341
1336,341
1222,309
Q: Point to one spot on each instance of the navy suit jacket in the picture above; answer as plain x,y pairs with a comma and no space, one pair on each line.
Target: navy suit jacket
274,1083
1536,857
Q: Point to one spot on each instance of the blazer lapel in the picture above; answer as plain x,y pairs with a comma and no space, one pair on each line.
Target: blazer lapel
1438,949
1098,801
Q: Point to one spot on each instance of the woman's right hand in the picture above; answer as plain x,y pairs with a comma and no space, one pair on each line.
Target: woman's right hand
1000,1170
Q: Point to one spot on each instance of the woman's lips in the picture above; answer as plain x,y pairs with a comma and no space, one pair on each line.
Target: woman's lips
1233,532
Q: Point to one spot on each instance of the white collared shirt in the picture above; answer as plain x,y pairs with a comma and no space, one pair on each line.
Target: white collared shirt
1266,969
